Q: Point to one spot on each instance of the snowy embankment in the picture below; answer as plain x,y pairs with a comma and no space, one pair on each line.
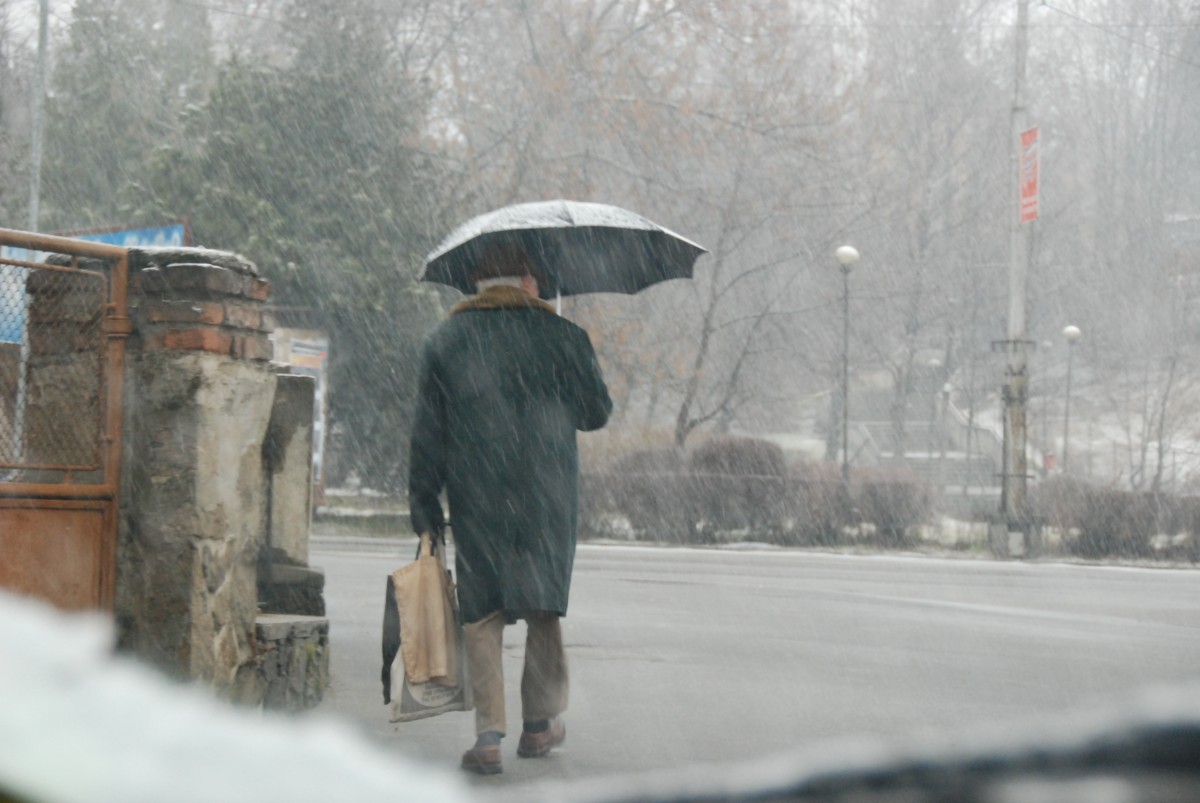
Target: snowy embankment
80,724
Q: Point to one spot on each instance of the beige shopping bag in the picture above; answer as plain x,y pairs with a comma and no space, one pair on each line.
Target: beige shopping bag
424,598
424,655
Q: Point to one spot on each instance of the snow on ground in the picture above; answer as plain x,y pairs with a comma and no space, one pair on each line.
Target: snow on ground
80,724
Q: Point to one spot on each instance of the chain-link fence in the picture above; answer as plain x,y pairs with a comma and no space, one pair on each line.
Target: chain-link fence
52,366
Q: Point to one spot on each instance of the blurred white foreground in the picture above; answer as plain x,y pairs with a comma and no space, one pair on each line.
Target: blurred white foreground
80,724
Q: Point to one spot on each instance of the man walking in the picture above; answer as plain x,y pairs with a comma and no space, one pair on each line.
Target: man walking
505,384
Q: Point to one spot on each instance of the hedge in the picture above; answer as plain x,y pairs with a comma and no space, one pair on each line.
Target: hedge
742,489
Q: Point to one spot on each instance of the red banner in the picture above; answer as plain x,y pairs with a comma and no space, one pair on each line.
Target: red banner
1029,175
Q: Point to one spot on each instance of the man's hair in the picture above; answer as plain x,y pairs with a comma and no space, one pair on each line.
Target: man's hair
502,259
499,281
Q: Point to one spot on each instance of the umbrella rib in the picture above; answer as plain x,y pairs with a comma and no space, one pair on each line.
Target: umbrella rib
567,212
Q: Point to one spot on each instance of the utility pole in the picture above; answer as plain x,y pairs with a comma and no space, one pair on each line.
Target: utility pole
39,107
1014,472
846,256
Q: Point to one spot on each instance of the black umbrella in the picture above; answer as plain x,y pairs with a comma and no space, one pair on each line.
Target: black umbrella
579,248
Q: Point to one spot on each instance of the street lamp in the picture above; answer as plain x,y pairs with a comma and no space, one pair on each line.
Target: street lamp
846,256
1070,334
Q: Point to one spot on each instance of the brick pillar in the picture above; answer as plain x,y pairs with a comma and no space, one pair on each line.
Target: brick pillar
199,393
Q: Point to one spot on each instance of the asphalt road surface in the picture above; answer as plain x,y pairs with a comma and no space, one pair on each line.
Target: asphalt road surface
703,656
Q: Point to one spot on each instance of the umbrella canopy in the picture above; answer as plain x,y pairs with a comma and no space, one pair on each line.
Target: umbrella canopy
579,248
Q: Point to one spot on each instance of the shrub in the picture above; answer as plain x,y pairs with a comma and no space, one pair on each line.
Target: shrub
732,484
1119,523
650,489
736,484
1106,522
895,502
738,456
598,493
1059,502
650,461
817,507
1189,515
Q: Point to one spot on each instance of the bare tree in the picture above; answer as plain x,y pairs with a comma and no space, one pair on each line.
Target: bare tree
930,106
1117,196
703,116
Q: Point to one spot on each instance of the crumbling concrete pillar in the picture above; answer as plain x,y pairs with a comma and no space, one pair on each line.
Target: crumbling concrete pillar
286,583
200,390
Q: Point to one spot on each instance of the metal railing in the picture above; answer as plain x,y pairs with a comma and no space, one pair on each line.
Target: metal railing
62,328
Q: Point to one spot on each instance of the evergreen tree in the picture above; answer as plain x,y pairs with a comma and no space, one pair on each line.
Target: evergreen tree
125,71
313,171
16,65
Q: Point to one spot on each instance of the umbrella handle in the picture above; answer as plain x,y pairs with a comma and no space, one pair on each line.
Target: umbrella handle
558,302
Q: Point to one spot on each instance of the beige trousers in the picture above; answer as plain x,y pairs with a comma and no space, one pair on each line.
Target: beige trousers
543,682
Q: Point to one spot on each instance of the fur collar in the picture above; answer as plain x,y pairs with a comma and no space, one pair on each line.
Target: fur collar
500,297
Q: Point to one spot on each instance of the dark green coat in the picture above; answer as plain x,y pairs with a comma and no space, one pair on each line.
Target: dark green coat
505,383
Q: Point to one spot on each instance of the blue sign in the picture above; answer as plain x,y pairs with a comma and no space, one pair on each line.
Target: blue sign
12,302
138,238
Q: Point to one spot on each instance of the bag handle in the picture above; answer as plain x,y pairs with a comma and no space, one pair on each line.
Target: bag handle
431,544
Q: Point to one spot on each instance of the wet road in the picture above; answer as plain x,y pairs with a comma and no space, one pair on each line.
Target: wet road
682,656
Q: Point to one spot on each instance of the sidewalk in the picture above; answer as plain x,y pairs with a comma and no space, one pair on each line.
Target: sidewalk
390,543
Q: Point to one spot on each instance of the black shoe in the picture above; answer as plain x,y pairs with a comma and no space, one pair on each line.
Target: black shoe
536,745
483,759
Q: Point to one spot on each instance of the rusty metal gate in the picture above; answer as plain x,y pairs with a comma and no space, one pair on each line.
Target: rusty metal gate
63,326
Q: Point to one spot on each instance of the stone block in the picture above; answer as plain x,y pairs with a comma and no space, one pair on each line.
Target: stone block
200,280
199,338
258,289
149,259
257,346
291,590
147,282
243,315
270,627
293,670
206,312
